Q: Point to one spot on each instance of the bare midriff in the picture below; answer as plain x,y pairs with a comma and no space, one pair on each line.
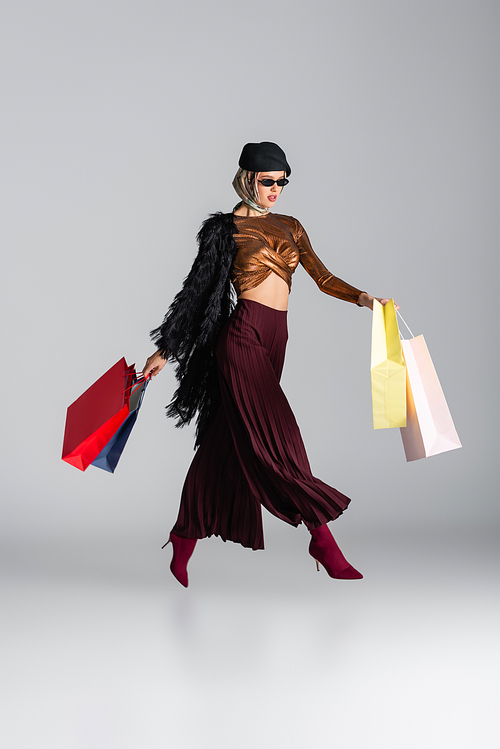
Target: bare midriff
273,292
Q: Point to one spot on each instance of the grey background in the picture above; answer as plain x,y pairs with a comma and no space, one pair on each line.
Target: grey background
122,124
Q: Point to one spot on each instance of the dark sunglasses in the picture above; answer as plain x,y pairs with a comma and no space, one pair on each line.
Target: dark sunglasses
270,182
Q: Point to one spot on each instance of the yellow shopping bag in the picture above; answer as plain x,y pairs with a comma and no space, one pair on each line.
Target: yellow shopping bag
388,370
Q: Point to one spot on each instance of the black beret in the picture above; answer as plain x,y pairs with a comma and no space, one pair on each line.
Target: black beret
264,157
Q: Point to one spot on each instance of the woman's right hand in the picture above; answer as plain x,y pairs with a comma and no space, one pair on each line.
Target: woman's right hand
154,365
365,300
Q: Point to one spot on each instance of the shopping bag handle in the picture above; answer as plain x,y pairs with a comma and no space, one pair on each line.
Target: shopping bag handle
138,380
402,318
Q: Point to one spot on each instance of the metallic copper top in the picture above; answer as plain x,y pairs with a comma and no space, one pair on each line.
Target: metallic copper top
277,244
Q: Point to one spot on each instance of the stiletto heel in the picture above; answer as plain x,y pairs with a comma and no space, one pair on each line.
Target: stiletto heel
323,548
317,565
183,548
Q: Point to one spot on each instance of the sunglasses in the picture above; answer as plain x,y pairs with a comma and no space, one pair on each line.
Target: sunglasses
270,182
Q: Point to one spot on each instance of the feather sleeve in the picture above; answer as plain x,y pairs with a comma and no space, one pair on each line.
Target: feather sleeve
190,329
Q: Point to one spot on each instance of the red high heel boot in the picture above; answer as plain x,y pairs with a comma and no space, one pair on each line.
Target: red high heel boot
183,548
324,549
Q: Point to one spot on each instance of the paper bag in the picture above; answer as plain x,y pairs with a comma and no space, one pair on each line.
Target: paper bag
96,415
429,429
388,371
110,454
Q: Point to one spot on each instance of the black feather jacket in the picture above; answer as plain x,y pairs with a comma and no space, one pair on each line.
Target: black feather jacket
189,332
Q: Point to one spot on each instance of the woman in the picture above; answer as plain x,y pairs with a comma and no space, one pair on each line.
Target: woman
250,451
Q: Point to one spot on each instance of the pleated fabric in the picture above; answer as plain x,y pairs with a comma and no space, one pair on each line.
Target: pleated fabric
253,454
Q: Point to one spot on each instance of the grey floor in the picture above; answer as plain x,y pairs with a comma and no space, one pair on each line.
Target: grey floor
102,648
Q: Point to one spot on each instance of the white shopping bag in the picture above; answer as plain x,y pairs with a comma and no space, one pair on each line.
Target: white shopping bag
429,427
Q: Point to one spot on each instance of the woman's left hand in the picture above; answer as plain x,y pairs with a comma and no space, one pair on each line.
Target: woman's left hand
154,365
366,300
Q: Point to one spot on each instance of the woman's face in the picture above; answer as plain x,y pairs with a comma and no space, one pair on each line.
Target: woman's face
269,195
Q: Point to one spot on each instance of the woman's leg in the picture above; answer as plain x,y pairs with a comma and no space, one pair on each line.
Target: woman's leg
267,438
183,549
216,498
265,433
323,548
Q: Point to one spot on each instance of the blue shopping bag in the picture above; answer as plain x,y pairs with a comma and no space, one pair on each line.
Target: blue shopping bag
110,454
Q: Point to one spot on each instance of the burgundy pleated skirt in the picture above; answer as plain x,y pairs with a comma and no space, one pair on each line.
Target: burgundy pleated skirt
252,454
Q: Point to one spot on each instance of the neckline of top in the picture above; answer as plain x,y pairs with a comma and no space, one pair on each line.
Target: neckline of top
259,215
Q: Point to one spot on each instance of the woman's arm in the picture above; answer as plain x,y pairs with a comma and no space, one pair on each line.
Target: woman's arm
326,281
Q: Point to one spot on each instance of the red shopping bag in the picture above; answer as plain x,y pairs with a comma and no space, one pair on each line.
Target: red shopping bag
93,419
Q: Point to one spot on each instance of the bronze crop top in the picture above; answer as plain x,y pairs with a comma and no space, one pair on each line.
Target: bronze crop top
276,243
